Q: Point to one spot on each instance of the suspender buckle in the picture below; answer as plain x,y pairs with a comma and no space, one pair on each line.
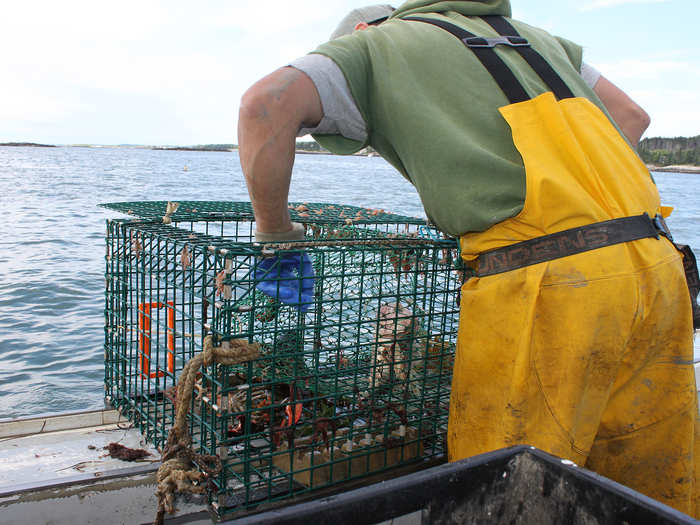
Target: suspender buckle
512,41
662,227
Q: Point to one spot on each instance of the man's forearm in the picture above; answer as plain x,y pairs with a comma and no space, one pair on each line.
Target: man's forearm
272,111
267,155
629,116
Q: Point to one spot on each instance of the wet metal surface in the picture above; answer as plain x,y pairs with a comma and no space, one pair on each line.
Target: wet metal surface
55,471
47,456
128,499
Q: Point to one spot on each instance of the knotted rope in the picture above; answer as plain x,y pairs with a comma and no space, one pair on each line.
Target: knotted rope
178,471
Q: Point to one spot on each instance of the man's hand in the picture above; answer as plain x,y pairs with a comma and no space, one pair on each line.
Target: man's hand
272,111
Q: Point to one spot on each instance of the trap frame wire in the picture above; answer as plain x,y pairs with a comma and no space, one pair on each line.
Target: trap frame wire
356,385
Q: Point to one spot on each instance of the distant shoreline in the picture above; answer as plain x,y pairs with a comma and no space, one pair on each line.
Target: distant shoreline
27,144
685,168
192,148
677,168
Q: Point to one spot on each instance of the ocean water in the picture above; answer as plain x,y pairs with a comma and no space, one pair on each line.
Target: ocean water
52,246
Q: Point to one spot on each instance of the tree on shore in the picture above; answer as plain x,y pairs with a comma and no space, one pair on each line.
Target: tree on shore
661,151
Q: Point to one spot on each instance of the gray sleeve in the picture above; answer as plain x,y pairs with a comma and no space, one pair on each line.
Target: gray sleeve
590,75
340,113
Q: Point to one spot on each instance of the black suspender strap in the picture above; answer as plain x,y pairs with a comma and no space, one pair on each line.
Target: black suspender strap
532,57
503,76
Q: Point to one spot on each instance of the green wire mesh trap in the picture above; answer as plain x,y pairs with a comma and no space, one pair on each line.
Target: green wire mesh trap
356,385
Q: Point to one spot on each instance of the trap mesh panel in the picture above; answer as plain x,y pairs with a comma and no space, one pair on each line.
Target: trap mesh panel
355,384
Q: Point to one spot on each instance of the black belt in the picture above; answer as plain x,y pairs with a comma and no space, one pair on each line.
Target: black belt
570,242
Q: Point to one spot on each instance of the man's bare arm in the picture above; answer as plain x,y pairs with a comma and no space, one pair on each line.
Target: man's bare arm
271,113
631,118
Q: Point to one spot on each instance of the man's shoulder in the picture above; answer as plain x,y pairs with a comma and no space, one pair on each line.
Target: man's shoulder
548,42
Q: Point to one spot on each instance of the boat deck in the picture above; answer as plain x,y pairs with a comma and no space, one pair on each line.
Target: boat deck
55,469
56,448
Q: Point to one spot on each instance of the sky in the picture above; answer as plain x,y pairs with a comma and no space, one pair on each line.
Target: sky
173,72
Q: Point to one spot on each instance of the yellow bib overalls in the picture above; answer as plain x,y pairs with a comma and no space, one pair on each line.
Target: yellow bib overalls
587,356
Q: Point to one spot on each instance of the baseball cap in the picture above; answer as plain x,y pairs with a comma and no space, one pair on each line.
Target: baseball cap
366,14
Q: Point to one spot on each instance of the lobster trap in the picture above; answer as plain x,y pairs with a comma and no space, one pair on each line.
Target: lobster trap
349,382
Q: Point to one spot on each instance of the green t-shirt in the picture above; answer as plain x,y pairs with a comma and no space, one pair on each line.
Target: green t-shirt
431,108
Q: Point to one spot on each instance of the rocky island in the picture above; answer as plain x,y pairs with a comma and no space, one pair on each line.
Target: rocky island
203,147
27,144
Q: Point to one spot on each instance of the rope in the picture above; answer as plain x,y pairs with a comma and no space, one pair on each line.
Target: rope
169,210
178,471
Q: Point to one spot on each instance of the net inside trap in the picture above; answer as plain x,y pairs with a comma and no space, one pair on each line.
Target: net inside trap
350,382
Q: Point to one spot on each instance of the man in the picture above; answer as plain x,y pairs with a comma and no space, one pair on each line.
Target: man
575,331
